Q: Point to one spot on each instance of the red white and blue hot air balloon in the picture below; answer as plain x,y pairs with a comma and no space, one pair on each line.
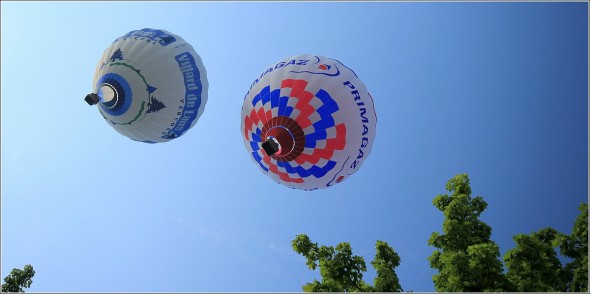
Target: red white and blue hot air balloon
308,122
150,85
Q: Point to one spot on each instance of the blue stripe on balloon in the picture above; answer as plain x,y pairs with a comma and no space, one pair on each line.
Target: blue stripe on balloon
274,98
288,111
324,123
262,166
319,172
324,96
254,145
256,137
329,106
256,156
320,135
256,99
265,95
288,167
283,105
302,172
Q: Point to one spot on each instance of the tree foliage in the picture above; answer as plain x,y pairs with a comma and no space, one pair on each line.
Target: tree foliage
342,271
575,246
533,265
18,279
385,261
467,259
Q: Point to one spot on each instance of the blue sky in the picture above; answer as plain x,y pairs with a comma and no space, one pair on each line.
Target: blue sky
495,90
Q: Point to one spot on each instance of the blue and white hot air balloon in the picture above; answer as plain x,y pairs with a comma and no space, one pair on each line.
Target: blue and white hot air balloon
150,85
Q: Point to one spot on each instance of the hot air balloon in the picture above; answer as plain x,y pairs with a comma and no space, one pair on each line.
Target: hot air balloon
308,122
150,85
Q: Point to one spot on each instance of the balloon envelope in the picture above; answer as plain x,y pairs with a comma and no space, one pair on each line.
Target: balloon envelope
308,122
150,85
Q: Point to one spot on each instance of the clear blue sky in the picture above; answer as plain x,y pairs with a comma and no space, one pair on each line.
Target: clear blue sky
495,90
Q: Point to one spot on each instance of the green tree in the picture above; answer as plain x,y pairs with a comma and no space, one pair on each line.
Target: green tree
18,279
533,265
342,271
385,262
575,246
467,259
